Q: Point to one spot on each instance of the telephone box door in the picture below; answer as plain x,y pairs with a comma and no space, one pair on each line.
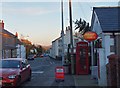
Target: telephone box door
82,62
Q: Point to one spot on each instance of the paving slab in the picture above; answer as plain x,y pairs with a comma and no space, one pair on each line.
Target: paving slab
85,80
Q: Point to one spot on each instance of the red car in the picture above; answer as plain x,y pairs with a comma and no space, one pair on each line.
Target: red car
14,71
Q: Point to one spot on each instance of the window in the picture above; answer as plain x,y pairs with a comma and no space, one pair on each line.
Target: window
98,43
112,48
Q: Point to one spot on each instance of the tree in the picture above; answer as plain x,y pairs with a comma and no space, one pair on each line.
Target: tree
39,49
82,25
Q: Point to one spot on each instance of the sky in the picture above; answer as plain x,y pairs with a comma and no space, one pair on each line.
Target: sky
40,21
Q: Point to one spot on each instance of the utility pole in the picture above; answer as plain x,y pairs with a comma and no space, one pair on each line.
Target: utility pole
62,33
71,38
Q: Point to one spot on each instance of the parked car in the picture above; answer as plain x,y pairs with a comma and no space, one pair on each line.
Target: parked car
14,71
41,55
31,57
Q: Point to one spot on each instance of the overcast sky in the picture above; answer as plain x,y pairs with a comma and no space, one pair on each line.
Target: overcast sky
39,21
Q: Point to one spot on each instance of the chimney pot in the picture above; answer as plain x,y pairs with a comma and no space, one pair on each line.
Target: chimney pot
2,25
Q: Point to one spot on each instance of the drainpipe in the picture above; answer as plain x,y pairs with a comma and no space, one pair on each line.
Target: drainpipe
114,42
92,58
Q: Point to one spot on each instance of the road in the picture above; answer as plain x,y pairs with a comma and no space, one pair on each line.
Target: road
43,74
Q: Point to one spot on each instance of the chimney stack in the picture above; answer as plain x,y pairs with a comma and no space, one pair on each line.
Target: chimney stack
16,34
1,24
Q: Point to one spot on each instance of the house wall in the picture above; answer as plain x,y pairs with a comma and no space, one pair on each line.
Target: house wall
1,28
102,81
66,39
67,36
21,51
0,44
59,47
50,52
94,68
105,51
9,46
118,44
54,51
101,54
110,45
56,48
107,43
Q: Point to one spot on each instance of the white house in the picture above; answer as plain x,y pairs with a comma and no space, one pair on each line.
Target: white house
55,52
106,24
56,49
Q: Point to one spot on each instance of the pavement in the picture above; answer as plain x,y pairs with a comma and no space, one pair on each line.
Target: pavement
79,81
85,80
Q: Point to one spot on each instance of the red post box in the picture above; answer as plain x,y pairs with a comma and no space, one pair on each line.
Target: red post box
59,73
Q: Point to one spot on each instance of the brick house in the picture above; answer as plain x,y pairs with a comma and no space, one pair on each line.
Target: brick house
8,43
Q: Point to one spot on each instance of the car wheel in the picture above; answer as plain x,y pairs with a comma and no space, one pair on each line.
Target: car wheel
29,79
18,81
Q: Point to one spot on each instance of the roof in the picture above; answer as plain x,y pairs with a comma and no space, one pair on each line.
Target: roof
7,32
108,17
56,39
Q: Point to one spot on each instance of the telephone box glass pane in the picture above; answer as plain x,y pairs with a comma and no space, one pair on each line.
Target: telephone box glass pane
83,59
59,70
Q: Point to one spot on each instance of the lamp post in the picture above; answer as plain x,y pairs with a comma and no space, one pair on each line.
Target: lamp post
62,33
71,38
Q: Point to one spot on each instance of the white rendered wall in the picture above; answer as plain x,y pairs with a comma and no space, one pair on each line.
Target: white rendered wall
102,81
0,44
21,51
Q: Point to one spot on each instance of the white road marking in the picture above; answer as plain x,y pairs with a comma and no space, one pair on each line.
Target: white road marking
40,66
38,72
50,62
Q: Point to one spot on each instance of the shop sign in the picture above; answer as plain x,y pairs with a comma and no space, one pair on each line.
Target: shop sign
90,36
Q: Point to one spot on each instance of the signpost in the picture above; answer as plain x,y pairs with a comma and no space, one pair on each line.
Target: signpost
91,36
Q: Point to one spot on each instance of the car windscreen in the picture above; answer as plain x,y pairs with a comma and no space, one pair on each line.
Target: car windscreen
30,55
9,64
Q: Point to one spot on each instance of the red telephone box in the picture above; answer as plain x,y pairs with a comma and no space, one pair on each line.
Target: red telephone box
82,62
